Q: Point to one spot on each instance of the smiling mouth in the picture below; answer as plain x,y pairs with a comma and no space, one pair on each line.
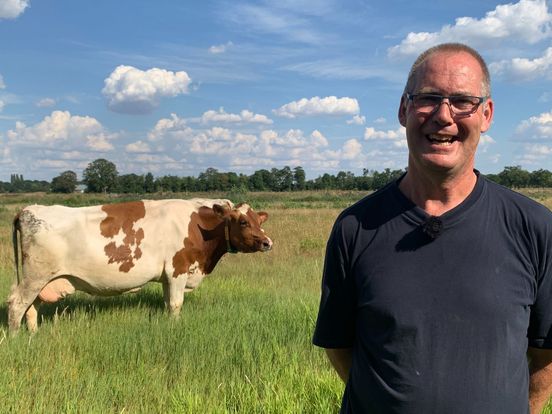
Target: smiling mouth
441,139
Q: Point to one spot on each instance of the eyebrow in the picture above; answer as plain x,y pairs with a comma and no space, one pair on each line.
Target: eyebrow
438,92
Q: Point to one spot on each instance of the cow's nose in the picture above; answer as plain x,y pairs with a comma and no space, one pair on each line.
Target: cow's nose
267,244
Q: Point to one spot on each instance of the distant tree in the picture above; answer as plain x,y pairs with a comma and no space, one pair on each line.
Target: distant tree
540,178
100,176
131,183
299,181
149,183
66,182
514,177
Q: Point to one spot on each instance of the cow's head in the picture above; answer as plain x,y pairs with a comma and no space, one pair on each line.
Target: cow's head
243,230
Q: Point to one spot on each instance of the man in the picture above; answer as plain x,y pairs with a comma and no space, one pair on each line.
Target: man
438,286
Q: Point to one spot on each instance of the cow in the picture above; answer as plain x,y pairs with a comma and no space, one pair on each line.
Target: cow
117,248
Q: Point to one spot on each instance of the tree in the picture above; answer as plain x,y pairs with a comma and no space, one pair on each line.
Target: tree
130,183
514,177
299,178
100,176
149,183
66,182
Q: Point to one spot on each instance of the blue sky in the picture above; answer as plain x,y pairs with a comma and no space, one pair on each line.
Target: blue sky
174,87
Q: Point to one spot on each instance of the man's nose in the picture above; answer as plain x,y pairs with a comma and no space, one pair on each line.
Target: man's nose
443,113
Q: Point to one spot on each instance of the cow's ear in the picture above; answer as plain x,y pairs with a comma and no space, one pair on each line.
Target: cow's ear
220,210
263,216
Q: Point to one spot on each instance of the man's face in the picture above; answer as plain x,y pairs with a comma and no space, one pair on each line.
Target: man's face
439,140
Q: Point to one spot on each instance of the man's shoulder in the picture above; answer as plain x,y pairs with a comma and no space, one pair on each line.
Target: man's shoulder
514,200
370,205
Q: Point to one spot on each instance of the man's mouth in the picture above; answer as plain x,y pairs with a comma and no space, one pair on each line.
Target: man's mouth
439,139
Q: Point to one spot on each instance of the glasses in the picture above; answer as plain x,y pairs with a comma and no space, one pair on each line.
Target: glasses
460,105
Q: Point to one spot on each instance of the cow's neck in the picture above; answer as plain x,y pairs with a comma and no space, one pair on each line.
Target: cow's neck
214,247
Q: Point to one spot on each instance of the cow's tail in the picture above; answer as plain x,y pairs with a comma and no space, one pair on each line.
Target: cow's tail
16,228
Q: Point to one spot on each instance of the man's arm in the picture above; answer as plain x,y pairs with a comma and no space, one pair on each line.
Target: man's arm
540,380
341,359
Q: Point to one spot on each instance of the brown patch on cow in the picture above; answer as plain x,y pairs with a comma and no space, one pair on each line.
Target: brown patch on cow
195,249
122,217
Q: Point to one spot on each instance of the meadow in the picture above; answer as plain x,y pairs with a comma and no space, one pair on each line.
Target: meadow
241,345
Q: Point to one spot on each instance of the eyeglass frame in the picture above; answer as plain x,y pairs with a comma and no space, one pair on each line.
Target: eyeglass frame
482,99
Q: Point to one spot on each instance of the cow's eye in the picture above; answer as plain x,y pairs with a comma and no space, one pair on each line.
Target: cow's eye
243,223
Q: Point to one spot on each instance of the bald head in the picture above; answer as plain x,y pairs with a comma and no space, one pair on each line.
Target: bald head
452,48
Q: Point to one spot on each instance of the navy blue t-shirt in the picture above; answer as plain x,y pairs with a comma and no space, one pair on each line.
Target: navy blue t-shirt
438,325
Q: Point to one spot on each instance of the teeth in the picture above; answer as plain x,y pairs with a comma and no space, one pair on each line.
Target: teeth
441,139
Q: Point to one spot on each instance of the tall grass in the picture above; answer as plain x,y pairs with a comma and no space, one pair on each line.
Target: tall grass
241,345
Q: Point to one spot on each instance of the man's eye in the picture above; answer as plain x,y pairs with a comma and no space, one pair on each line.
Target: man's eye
429,99
463,101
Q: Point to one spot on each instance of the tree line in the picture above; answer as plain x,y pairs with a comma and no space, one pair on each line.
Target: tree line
101,176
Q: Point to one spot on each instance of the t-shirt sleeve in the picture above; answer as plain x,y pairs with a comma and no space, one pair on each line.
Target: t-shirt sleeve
540,325
335,325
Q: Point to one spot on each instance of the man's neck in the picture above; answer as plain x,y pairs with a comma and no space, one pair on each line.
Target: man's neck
437,195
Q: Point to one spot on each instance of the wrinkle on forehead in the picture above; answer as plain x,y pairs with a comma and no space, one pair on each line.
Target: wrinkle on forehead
447,73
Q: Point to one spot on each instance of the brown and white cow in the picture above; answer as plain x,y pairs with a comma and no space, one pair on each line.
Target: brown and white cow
118,248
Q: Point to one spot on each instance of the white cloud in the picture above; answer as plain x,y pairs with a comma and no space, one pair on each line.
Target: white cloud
244,116
330,105
131,90
10,9
527,21
174,127
357,120
535,155
138,146
521,69
46,103
351,149
536,128
398,136
61,128
217,49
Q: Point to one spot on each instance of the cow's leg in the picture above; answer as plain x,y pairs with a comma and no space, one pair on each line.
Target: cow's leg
21,299
31,316
173,293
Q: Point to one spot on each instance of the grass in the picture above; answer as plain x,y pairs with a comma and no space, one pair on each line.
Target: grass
241,345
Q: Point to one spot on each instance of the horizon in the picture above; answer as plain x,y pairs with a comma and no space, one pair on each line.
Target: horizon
243,86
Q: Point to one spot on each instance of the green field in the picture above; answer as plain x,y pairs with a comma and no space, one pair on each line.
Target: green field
241,345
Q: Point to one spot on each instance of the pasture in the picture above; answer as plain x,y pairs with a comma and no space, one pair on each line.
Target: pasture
241,345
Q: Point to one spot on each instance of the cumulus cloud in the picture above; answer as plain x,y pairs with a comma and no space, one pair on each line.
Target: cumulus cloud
174,127
134,91
138,146
46,103
397,137
244,116
217,49
536,128
61,126
10,9
522,69
535,154
527,21
357,120
330,105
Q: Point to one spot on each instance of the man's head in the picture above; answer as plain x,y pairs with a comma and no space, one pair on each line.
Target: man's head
451,48
445,108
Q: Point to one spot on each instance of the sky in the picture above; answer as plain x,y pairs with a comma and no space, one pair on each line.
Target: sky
176,87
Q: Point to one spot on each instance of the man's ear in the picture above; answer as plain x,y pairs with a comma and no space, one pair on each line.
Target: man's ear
488,113
402,110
